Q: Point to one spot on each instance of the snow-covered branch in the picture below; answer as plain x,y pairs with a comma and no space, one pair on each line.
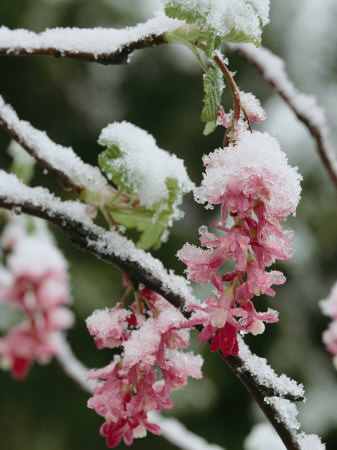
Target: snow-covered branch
172,429
62,162
272,69
101,45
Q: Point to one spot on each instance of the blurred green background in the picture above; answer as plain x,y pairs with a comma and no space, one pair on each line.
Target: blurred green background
161,91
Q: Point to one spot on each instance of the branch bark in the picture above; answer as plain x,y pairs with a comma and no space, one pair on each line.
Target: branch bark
120,56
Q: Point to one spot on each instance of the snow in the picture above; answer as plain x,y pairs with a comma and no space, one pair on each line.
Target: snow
60,158
287,412
142,345
252,106
71,366
176,433
259,154
147,166
96,41
310,442
36,257
273,70
258,367
329,305
224,16
263,437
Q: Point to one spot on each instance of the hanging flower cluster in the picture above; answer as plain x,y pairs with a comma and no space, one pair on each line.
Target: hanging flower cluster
150,334
35,283
256,189
329,308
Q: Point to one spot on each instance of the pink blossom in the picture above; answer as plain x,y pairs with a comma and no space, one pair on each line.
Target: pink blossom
150,345
329,308
38,287
256,189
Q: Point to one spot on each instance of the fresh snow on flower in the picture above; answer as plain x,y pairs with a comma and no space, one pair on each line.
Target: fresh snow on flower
148,166
263,437
150,367
252,106
256,188
256,154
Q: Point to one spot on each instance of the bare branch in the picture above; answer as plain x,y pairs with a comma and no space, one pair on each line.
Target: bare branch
101,45
272,69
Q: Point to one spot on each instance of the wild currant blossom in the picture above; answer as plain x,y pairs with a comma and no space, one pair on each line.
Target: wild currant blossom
329,308
36,285
151,334
256,189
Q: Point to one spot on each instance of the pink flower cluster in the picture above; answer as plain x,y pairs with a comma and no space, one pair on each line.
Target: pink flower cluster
36,285
256,189
329,308
151,334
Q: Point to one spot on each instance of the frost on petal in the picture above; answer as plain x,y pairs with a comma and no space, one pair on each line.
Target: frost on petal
330,337
108,326
142,345
252,107
256,154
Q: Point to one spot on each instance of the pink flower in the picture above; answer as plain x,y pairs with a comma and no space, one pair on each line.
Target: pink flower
38,287
150,345
256,189
329,308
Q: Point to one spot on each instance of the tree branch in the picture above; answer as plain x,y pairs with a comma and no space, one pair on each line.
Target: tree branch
62,162
101,45
272,69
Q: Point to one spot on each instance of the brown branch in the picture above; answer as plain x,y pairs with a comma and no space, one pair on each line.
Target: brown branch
61,177
289,94
119,56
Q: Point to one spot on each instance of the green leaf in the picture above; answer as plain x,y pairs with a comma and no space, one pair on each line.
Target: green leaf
144,221
150,223
215,20
180,12
23,164
213,87
213,43
209,128
240,37
118,174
